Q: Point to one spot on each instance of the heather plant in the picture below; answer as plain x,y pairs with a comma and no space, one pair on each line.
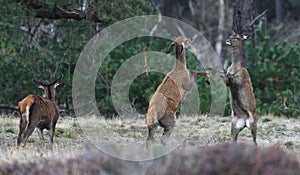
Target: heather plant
227,159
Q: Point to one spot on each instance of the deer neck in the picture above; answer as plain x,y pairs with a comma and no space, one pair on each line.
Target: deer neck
180,61
50,95
236,59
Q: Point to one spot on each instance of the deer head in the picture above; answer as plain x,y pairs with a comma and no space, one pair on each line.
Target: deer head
49,89
236,40
180,44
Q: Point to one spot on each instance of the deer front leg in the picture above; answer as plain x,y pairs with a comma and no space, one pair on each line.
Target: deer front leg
233,79
239,78
230,78
195,73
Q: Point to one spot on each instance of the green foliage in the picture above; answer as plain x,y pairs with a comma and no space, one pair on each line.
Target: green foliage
57,134
75,124
143,86
44,49
274,69
69,134
31,140
10,130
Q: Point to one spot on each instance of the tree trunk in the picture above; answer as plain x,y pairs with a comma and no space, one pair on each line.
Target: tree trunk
221,24
278,10
243,12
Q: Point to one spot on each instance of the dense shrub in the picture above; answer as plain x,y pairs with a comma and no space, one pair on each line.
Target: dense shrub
275,71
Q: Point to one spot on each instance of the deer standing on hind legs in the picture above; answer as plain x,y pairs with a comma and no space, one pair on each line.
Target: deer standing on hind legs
242,99
38,112
164,102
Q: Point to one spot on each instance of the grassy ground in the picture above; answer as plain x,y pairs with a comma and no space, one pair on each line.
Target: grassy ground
125,138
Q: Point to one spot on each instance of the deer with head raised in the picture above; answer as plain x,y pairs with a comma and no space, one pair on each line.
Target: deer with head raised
242,99
164,102
38,112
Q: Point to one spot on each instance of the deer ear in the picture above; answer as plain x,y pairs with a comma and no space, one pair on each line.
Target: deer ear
38,84
182,48
170,48
232,32
57,82
245,37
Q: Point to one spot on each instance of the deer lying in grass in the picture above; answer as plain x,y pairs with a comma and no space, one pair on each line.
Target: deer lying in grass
242,100
38,112
164,102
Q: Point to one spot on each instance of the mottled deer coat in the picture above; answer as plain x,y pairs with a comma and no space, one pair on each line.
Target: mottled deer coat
242,99
38,112
164,102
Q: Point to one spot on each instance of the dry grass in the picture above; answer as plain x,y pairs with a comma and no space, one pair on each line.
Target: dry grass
68,140
125,138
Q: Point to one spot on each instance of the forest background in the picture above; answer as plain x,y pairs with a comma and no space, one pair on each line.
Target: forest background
43,40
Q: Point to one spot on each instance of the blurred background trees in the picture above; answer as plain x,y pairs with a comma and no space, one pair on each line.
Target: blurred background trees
43,39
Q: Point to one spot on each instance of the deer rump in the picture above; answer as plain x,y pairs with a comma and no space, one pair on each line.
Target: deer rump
164,102
38,110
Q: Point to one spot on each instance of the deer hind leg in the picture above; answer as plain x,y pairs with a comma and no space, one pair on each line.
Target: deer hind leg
166,134
152,125
253,128
151,131
252,125
22,126
41,136
52,131
28,131
33,119
168,124
237,125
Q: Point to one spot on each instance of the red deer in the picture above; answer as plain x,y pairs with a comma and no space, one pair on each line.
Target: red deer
38,112
164,102
242,99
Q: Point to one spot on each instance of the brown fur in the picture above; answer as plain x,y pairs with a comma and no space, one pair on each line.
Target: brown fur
164,102
41,113
242,99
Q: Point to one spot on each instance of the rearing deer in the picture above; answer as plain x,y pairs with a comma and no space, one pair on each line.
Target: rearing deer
242,99
164,102
38,112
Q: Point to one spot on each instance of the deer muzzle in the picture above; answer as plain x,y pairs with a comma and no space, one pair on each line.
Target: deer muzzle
228,42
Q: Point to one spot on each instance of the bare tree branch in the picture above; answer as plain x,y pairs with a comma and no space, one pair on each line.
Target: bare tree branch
8,106
248,26
257,17
44,10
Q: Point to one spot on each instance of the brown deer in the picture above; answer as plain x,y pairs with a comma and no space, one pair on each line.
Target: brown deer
242,99
38,112
164,102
